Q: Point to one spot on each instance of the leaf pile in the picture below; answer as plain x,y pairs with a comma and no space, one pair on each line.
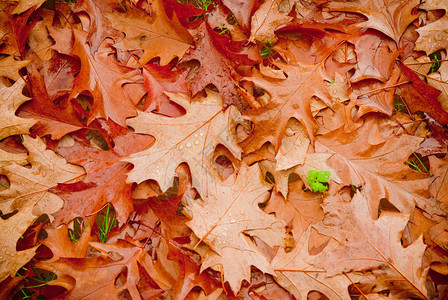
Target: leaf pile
198,149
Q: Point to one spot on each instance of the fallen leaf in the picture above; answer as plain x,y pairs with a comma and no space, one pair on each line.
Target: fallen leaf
9,67
11,98
366,244
391,17
265,20
223,219
191,138
433,36
377,164
217,66
420,96
104,78
145,31
24,5
105,180
28,195
290,98
296,275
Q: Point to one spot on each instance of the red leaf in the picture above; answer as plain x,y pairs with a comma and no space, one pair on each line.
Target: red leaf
420,96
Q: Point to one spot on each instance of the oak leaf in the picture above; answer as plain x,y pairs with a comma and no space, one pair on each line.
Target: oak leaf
217,65
54,120
28,194
156,34
12,229
9,67
190,275
375,60
433,36
10,100
102,76
391,17
8,158
420,96
242,10
265,20
294,272
375,96
224,218
312,161
59,243
377,164
24,5
299,210
99,26
290,98
39,39
105,180
439,187
161,79
191,138
95,277
366,244
439,80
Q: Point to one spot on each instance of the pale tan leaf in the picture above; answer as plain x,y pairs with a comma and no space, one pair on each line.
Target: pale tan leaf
10,100
9,67
366,244
433,36
226,218
191,138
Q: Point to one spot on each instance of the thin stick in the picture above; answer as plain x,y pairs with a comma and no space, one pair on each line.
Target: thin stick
383,88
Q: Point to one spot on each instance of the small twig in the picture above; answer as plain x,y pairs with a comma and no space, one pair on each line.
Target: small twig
426,62
407,109
383,88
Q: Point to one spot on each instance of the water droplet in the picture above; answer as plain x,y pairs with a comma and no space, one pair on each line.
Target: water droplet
195,135
196,142
201,133
181,147
289,132
7,252
232,221
188,145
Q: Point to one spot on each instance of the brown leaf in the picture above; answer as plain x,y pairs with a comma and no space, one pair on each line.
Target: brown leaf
226,216
294,273
265,20
375,60
217,65
96,277
10,67
161,79
10,100
290,98
242,10
366,244
24,5
145,31
388,16
103,77
105,181
191,138
377,163
433,36
439,187
28,194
